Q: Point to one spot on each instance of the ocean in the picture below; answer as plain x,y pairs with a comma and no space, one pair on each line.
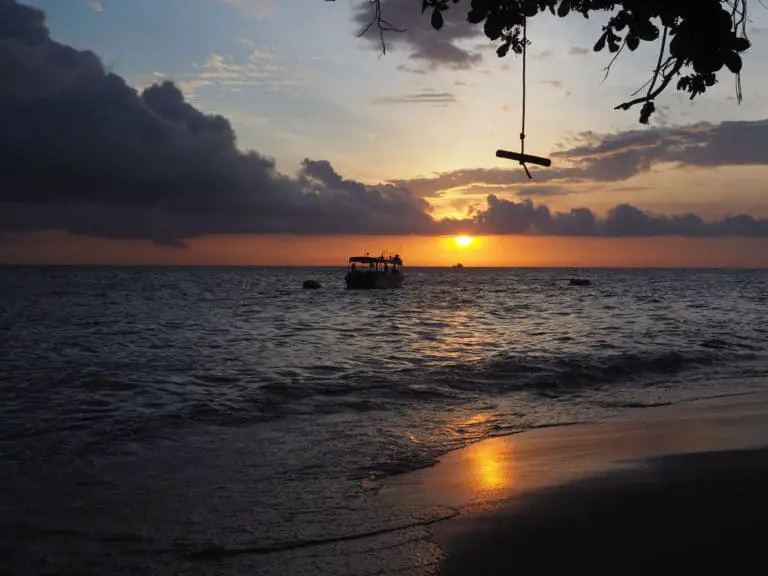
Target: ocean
222,420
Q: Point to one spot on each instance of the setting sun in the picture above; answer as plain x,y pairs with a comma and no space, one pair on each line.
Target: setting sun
464,241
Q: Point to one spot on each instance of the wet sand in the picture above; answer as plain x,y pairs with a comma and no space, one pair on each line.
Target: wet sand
667,488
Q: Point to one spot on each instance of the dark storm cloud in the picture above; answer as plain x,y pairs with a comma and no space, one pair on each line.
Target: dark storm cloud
509,217
83,151
424,44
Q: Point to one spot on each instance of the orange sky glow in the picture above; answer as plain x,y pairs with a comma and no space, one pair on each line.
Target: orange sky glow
525,251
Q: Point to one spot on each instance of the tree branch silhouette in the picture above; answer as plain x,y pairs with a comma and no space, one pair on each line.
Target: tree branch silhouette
381,24
699,37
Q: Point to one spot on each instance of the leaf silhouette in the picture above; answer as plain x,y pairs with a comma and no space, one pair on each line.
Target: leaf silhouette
437,19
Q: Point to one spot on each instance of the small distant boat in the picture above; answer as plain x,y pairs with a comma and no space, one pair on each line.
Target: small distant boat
459,265
369,272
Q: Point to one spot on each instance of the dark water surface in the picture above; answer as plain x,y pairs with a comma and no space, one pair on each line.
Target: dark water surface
151,413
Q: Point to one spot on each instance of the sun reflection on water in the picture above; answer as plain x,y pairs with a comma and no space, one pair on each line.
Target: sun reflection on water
452,334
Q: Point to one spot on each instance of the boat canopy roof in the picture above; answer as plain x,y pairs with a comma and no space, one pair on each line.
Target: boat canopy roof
374,259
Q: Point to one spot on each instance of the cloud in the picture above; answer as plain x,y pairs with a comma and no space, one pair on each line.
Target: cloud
258,55
579,51
84,152
411,70
626,154
524,218
434,185
425,97
593,157
431,48
95,6
258,72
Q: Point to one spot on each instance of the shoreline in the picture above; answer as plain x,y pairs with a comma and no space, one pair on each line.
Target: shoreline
663,479
504,466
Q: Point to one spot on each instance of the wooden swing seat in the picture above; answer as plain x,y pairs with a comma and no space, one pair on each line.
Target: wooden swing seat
523,158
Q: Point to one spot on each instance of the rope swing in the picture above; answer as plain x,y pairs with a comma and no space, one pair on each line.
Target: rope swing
522,157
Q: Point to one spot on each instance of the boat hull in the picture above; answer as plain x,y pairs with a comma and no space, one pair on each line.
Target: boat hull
373,280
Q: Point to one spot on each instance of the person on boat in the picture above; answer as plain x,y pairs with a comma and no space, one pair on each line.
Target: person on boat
354,267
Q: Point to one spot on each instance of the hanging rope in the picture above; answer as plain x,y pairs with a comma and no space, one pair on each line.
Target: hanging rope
522,158
522,128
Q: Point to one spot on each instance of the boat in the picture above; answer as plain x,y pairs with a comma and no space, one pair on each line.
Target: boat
459,265
369,272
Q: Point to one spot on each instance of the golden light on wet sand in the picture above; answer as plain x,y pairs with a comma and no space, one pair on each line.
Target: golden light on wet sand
491,470
464,241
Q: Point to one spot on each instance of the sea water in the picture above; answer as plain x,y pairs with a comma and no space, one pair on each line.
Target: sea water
159,420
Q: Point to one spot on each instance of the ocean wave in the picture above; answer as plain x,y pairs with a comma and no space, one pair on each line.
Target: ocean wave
117,407
578,372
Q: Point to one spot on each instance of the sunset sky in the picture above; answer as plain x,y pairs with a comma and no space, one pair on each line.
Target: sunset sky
370,152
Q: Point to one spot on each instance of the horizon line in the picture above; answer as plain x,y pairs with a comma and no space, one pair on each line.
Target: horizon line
343,266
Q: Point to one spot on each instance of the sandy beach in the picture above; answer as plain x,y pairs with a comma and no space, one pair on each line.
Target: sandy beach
686,484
